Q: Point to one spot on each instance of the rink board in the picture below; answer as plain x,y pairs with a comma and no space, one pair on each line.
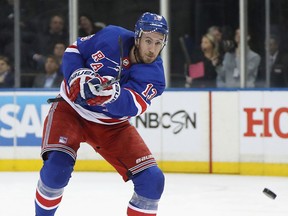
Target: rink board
241,132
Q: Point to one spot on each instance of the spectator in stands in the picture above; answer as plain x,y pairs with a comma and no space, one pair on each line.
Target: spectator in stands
229,72
216,32
278,65
224,38
58,52
204,64
6,24
7,47
51,78
6,74
45,41
87,26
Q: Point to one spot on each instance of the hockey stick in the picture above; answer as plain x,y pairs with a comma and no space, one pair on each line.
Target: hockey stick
114,80
107,84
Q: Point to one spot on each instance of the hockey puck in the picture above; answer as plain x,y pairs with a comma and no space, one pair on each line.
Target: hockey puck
269,193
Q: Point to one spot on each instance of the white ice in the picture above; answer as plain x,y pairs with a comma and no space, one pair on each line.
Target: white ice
95,193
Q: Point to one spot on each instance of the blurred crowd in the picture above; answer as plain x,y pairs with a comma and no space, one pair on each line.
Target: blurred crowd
212,63
216,62
42,46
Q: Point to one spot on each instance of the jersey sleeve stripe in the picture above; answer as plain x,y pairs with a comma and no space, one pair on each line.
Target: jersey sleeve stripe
139,102
72,49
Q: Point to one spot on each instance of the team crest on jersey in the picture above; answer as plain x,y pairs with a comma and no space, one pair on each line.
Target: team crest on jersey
126,62
86,38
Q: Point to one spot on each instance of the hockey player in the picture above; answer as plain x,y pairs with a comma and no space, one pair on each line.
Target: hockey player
86,112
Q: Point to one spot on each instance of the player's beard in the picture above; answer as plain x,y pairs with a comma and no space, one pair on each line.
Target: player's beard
146,58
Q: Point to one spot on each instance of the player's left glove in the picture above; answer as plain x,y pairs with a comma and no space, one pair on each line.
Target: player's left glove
94,97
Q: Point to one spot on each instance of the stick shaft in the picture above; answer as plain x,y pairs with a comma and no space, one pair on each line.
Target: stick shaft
116,79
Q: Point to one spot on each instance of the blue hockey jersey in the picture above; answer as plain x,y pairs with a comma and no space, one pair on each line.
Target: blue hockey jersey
140,83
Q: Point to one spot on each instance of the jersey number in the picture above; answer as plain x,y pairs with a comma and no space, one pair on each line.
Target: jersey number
149,92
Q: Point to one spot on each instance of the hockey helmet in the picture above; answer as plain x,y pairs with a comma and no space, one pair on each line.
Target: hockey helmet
151,22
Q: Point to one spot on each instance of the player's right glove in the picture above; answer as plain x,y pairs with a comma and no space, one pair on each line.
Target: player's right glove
76,81
84,88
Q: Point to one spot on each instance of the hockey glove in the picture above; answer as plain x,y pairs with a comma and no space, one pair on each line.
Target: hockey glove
76,81
94,97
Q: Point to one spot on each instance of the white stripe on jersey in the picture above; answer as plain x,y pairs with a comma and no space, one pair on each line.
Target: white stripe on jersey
140,107
72,50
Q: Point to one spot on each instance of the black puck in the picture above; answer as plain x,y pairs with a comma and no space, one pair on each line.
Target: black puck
269,193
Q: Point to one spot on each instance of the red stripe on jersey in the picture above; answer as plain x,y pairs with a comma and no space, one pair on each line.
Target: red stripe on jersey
53,203
73,46
139,100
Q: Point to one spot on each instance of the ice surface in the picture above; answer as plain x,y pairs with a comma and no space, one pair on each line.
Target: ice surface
96,193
